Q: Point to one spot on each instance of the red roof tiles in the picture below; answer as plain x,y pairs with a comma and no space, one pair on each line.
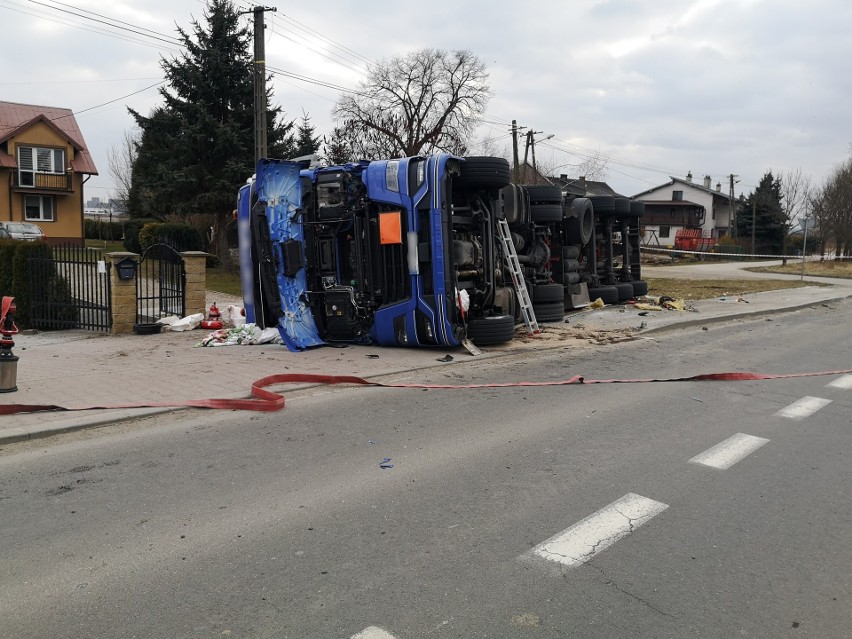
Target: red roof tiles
15,117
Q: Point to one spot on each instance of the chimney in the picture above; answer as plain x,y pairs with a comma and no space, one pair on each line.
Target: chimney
689,177
707,181
718,187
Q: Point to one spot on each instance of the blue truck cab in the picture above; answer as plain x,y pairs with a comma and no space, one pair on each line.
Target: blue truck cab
394,252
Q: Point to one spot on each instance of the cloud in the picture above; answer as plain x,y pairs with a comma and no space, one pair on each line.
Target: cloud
665,86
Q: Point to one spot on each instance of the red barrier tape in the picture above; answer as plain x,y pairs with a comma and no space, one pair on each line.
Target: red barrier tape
268,401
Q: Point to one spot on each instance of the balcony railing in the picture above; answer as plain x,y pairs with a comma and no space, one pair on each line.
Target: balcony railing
45,181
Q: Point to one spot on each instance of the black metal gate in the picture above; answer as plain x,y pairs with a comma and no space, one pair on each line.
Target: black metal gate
160,285
69,287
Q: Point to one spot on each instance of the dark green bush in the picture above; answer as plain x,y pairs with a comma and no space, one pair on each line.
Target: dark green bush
131,232
180,236
21,276
7,254
103,230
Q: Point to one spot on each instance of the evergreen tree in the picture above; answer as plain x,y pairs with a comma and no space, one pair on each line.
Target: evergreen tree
763,212
306,140
337,148
197,149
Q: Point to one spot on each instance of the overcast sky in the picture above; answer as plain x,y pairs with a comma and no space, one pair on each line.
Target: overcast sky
658,87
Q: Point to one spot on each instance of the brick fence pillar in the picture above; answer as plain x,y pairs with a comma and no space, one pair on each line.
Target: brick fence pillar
123,295
195,263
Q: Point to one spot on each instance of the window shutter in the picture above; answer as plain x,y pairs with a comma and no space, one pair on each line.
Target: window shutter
25,158
44,160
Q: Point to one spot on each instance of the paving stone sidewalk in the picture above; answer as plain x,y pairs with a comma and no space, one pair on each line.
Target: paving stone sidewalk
78,368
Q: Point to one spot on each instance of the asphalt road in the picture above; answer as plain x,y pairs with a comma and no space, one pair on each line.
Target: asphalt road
559,511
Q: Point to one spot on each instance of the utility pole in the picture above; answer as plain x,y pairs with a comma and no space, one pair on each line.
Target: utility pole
527,152
260,148
732,227
515,175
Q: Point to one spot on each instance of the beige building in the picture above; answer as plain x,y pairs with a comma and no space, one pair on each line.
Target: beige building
44,164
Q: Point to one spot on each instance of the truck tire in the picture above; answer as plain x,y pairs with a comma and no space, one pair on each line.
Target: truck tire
547,293
545,194
546,213
608,294
637,209
570,252
550,311
484,172
622,206
491,330
603,203
640,287
625,291
569,266
571,277
580,223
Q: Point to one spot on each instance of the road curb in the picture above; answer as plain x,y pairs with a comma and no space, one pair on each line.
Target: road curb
690,323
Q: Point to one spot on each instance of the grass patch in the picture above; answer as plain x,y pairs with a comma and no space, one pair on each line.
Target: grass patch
116,246
709,289
829,268
224,279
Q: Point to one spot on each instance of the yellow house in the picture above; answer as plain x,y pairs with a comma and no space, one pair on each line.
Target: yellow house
43,166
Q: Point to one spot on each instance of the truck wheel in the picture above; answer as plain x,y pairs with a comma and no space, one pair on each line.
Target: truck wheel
550,311
625,291
484,172
603,203
640,287
570,252
491,330
580,222
637,209
608,294
545,194
548,293
546,213
622,206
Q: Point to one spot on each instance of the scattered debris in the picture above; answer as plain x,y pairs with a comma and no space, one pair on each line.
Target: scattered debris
446,358
246,334
385,464
696,399
372,356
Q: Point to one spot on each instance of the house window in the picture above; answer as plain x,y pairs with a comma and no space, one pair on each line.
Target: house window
665,231
33,159
677,196
38,208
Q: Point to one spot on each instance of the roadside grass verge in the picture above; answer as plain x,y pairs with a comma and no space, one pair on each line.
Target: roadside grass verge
224,280
828,268
708,289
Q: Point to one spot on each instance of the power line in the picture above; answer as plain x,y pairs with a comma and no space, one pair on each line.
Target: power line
112,22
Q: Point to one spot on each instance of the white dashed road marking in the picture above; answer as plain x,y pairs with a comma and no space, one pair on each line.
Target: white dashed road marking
597,532
844,382
729,452
803,408
373,633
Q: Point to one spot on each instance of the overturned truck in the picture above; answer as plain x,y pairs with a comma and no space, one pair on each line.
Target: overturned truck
407,252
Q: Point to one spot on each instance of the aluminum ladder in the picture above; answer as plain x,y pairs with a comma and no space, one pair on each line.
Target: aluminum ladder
517,277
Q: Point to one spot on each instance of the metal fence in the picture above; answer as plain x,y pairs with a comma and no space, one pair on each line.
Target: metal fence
69,287
160,284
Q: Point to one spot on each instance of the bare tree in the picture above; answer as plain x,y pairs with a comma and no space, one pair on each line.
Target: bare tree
832,208
427,100
120,159
795,202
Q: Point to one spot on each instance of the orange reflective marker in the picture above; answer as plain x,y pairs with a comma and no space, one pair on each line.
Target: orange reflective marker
390,227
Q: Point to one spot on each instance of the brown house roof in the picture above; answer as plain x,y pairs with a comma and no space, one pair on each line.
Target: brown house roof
15,117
